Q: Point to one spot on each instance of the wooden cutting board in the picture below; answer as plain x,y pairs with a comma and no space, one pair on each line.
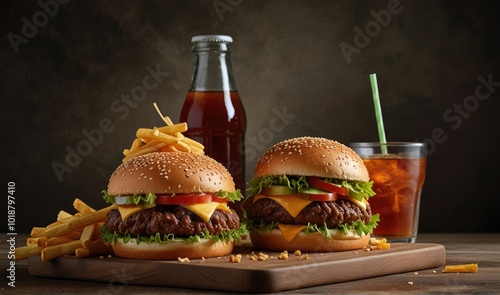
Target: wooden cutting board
247,276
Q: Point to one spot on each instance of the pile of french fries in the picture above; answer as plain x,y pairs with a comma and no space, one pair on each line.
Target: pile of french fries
168,138
76,234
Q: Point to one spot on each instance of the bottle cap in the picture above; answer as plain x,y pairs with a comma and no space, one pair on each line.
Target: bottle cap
212,38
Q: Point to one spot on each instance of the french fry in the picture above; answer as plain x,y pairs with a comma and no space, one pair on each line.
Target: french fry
55,251
97,247
58,222
86,237
26,251
81,207
472,267
56,241
182,146
140,151
65,220
78,222
135,145
165,119
74,235
144,149
97,229
170,148
157,135
193,143
380,244
196,150
384,246
82,252
173,129
63,214
32,241
41,241
37,232
178,135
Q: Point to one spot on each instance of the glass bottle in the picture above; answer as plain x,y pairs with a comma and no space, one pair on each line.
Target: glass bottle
213,109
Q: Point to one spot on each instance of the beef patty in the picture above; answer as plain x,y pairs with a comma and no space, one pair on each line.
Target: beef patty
174,220
333,213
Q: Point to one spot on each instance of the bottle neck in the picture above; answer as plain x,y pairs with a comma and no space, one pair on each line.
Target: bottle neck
212,67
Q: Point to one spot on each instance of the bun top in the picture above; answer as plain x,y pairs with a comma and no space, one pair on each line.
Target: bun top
168,173
312,156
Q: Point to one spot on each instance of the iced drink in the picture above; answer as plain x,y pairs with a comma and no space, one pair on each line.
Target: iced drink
397,183
398,176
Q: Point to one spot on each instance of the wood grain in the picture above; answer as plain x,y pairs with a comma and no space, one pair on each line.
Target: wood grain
271,275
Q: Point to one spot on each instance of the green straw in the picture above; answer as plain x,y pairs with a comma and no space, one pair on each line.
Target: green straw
378,113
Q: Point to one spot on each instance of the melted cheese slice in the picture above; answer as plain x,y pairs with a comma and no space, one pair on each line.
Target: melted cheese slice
206,210
362,204
290,231
292,203
127,210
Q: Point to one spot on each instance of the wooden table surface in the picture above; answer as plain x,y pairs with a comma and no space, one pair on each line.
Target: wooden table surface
483,249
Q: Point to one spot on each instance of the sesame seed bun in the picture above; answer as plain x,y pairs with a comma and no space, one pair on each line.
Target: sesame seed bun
171,251
312,156
168,173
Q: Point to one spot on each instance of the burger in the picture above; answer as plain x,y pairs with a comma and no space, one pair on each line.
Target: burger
171,205
309,194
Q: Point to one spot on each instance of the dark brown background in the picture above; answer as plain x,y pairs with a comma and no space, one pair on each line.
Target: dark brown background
83,59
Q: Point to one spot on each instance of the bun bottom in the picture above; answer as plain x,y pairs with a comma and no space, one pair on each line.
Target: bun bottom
172,251
315,242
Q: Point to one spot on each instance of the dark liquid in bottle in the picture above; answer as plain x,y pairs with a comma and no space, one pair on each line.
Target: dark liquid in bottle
218,121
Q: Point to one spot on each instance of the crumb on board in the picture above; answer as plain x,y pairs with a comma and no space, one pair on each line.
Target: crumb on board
235,258
262,256
304,257
183,260
283,255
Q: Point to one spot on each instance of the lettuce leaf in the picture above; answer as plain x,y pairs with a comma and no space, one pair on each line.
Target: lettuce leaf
230,196
357,189
359,227
132,199
256,184
231,235
150,198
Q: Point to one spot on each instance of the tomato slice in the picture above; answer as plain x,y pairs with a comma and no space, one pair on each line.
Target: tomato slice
188,199
326,186
218,200
323,197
